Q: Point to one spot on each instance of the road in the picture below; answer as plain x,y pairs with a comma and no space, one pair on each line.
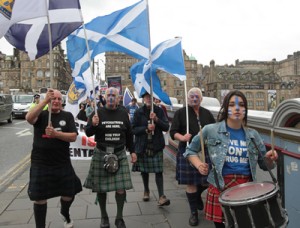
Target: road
15,146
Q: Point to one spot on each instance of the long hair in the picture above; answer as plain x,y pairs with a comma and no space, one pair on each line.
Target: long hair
223,113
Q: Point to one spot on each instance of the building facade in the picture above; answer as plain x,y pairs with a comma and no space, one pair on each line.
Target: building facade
17,72
265,83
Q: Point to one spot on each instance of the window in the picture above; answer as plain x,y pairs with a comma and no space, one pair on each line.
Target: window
39,73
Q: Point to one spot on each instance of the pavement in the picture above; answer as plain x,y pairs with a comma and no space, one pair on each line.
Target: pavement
16,210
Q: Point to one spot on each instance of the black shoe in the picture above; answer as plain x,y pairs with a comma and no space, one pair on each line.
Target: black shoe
193,221
200,204
120,223
104,222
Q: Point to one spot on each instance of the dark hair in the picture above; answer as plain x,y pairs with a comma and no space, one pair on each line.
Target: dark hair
134,99
223,113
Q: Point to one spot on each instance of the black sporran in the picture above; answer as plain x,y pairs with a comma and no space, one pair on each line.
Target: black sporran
111,163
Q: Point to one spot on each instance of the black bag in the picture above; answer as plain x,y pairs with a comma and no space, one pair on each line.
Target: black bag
111,163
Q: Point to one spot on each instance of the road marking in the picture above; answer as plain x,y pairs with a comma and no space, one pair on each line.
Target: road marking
24,132
21,122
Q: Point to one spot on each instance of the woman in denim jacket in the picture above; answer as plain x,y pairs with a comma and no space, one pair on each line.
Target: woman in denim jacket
232,150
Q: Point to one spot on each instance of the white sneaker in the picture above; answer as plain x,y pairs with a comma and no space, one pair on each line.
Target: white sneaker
66,224
69,225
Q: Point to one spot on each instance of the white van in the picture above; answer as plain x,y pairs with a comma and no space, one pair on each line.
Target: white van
21,105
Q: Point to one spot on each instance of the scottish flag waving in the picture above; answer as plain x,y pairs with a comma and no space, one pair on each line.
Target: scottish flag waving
166,56
125,31
32,36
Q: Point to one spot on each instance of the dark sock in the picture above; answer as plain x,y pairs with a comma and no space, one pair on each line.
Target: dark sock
40,211
65,208
120,199
200,189
102,202
219,225
145,177
193,201
159,183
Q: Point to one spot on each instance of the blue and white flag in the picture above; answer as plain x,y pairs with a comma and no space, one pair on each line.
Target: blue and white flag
140,75
13,11
125,31
127,97
166,56
32,36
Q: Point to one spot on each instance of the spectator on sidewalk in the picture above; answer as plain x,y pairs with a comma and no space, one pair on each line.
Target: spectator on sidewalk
149,145
51,171
109,169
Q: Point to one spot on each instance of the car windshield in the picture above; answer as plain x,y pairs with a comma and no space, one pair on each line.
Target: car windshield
22,98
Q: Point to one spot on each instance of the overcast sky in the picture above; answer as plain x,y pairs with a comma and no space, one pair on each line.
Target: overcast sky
223,30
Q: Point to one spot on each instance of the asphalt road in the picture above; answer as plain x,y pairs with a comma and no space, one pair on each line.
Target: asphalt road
15,146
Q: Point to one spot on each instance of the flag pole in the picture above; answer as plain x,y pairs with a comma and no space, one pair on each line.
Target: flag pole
91,62
51,60
187,110
150,62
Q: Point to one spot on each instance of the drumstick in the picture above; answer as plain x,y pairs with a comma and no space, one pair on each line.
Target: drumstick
272,141
202,144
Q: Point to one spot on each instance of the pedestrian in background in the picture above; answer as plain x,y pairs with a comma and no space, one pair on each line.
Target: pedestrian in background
51,171
109,169
233,149
149,145
131,108
185,173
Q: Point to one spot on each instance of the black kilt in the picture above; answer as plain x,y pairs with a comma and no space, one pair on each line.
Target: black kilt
187,174
99,180
47,182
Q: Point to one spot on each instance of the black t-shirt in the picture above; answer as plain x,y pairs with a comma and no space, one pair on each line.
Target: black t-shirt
114,128
51,151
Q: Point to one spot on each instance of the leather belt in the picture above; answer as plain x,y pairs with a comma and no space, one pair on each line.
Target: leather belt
117,148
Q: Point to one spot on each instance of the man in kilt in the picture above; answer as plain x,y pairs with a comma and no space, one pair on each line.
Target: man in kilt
51,171
112,130
149,145
185,173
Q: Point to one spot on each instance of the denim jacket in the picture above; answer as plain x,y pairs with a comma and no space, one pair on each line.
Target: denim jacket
216,139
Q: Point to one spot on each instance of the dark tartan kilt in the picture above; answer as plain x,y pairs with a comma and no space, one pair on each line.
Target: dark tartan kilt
147,164
99,180
48,182
213,208
187,174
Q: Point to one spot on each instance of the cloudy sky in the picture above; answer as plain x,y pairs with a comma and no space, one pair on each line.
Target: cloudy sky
223,30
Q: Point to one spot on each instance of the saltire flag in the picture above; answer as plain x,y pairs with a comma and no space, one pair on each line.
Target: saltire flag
127,97
166,56
32,36
125,30
140,75
13,11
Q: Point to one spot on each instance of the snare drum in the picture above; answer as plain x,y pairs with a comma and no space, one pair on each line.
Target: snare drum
253,205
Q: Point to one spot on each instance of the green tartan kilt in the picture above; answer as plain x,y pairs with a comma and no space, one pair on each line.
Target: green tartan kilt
99,180
149,164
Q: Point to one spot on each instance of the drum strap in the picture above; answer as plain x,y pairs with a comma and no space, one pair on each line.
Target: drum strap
269,170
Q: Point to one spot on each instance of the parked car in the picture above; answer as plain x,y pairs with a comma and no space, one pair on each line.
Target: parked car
21,105
6,106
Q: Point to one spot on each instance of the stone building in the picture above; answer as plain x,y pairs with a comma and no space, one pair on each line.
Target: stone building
18,72
265,83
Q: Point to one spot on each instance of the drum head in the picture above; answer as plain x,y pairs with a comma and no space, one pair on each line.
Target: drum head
248,192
